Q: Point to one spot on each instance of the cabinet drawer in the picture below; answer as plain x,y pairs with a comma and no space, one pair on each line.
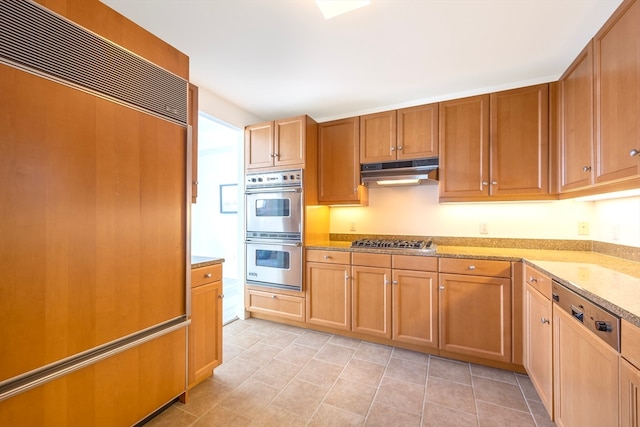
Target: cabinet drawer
420,263
373,260
630,342
274,304
331,257
203,275
475,267
541,282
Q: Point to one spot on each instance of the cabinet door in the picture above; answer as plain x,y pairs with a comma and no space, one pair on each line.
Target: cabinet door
617,74
378,137
258,146
338,162
328,295
576,123
371,297
475,316
629,395
415,307
464,147
417,132
519,162
538,350
205,331
289,142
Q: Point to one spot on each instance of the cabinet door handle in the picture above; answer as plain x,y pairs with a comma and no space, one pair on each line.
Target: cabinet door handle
395,282
494,182
400,147
586,168
634,152
347,277
485,183
533,279
393,148
543,320
208,275
221,296
441,287
472,267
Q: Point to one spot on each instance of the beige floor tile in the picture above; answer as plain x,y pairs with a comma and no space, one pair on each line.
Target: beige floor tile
279,338
412,356
245,339
441,416
229,351
172,417
205,396
540,414
250,399
401,395
300,398
262,326
296,354
528,390
406,370
235,372
450,394
490,415
374,353
363,372
320,373
335,354
233,328
222,417
499,393
259,353
273,416
386,416
450,370
493,374
345,341
313,339
277,373
351,396
330,416
291,329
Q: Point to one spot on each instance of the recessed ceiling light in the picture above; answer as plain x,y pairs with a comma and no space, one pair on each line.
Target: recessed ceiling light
331,8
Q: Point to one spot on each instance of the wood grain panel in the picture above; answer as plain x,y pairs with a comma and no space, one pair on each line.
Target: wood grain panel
417,132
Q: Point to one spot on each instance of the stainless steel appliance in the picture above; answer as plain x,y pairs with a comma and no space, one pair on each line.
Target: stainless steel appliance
405,172
417,245
274,206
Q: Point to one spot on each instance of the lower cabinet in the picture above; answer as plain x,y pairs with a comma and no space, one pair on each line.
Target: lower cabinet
475,308
371,294
585,375
205,330
537,335
274,304
328,289
629,375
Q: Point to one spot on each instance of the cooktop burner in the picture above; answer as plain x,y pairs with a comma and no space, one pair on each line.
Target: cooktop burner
422,245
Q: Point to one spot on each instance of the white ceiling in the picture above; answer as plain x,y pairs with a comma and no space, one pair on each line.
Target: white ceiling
281,58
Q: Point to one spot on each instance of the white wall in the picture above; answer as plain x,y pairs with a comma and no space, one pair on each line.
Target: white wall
414,210
223,110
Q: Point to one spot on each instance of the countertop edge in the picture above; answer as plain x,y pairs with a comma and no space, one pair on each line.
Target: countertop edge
198,261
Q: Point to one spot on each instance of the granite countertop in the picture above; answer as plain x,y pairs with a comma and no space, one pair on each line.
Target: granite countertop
611,282
204,261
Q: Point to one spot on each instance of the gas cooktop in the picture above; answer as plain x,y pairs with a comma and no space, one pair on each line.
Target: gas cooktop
418,245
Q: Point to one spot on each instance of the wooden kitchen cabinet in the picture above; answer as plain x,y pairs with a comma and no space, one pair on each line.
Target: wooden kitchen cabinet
474,309
205,330
282,305
538,340
585,375
328,288
414,298
378,137
193,123
417,132
371,294
339,163
629,375
495,147
280,144
616,49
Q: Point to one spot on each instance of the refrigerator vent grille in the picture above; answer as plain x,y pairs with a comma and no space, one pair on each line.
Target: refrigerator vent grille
35,38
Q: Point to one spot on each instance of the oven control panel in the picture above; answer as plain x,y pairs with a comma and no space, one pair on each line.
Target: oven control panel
288,178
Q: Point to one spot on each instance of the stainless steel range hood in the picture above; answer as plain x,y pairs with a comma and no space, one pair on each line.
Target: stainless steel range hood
408,172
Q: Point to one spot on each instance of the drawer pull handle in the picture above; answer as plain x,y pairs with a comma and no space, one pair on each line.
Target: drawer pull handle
543,320
208,275
472,267
221,296
273,297
533,279
327,257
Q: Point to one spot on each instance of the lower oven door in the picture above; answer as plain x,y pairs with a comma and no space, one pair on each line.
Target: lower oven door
274,264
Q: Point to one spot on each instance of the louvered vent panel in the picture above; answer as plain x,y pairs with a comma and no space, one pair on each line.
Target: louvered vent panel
34,37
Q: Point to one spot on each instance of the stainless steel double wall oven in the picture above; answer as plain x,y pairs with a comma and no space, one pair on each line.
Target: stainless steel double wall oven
274,206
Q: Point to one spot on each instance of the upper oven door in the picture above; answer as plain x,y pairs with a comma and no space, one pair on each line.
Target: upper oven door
274,211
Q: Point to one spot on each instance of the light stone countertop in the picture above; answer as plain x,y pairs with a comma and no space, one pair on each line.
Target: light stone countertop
203,261
613,283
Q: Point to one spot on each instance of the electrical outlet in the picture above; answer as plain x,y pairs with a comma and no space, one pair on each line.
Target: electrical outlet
583,228
615,232
483,228
352,226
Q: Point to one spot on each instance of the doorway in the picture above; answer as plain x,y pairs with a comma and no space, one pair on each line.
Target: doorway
216,218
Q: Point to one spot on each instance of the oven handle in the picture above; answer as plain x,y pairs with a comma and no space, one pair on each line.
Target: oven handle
273,190
275,243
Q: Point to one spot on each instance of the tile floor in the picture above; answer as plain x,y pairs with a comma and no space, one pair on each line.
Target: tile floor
279,375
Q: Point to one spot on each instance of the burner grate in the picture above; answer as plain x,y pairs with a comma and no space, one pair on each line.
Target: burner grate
392,244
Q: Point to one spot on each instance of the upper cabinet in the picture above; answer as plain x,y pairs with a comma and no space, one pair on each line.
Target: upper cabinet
616,50
409,133
495,147
338,163
279,144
